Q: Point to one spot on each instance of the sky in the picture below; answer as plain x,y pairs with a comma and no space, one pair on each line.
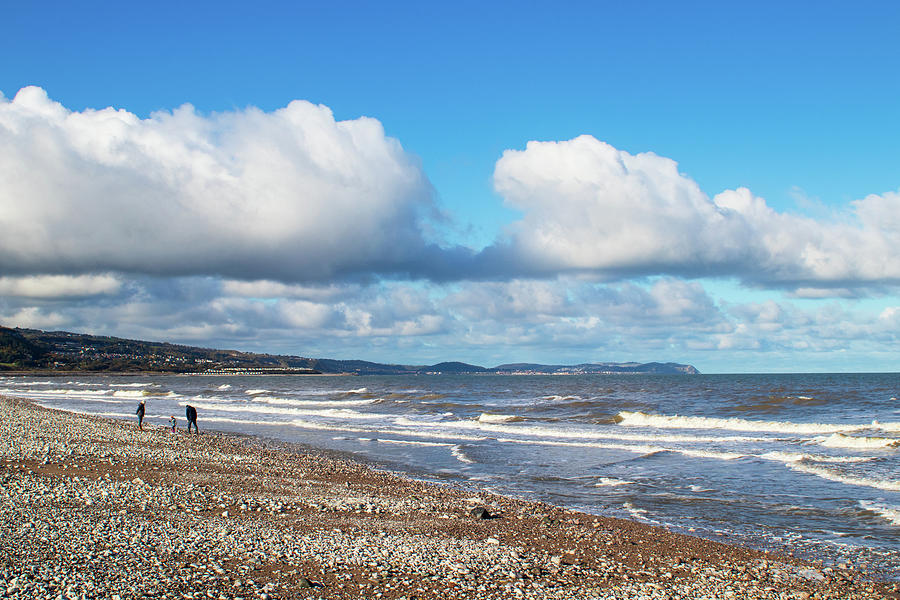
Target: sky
697,182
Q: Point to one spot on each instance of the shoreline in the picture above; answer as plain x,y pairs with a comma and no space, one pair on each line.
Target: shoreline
126,512
53,373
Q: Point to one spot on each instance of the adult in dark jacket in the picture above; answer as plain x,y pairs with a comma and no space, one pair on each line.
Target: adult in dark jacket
140,414
191,414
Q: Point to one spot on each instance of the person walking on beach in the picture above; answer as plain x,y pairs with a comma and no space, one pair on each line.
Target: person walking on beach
172,422
140,414
191,413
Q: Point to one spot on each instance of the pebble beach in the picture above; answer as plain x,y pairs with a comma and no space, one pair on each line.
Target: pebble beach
97,508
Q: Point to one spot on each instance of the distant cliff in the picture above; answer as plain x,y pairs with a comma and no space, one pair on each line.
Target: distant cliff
47,351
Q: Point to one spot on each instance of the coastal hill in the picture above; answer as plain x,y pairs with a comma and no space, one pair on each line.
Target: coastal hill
49,351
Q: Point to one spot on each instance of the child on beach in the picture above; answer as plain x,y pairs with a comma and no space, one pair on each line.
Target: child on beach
172,422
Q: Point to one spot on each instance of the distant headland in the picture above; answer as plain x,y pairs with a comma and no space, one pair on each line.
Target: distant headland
62,351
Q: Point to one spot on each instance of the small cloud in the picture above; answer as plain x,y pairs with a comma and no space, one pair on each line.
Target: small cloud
59,286
33,317
276,289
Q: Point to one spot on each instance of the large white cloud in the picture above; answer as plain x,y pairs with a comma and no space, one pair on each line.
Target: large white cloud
290,194
592,208
295,197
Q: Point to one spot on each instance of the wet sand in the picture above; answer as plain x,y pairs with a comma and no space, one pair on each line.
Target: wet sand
96,508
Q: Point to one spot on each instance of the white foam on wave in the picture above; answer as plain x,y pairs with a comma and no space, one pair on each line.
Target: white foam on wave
224,386
636,448
792,457
612,482
542,432
639,419
556,398
275,400
343,413
460,455
839,440
144,394
423,420
131,385
255,392
838,477
68,392
639,513
237,421
885,511
304,424
489,418
416,443
323,392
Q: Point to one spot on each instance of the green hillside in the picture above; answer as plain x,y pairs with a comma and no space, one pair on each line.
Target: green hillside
49,351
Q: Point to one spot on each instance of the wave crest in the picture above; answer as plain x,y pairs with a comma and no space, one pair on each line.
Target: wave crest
640,419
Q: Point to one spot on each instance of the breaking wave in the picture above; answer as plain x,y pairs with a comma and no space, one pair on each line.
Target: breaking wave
639,419
611,482
275,400
793,457
129,393
343,413
489,418
839,440
838,477
885,511
460,455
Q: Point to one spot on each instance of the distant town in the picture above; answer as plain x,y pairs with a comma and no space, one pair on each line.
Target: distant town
33,350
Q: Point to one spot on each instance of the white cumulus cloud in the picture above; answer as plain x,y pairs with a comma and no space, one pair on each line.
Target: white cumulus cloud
289,195
589,207
59,286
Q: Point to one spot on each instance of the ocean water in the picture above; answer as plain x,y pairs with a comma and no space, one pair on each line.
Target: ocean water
807,463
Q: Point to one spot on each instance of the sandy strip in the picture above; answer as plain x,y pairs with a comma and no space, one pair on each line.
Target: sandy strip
94,508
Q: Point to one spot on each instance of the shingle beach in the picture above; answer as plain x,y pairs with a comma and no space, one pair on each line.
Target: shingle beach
96,508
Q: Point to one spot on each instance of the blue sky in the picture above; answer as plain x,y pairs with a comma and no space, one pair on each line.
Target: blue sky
796,104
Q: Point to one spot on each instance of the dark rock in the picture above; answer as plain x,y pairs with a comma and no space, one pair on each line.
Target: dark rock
480,512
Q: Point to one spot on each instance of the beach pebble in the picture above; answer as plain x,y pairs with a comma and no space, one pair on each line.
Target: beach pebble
479,512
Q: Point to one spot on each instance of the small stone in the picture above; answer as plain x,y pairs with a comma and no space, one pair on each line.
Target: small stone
480,512
811,574
303,582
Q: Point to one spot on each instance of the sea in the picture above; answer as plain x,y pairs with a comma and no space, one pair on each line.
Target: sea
805,463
